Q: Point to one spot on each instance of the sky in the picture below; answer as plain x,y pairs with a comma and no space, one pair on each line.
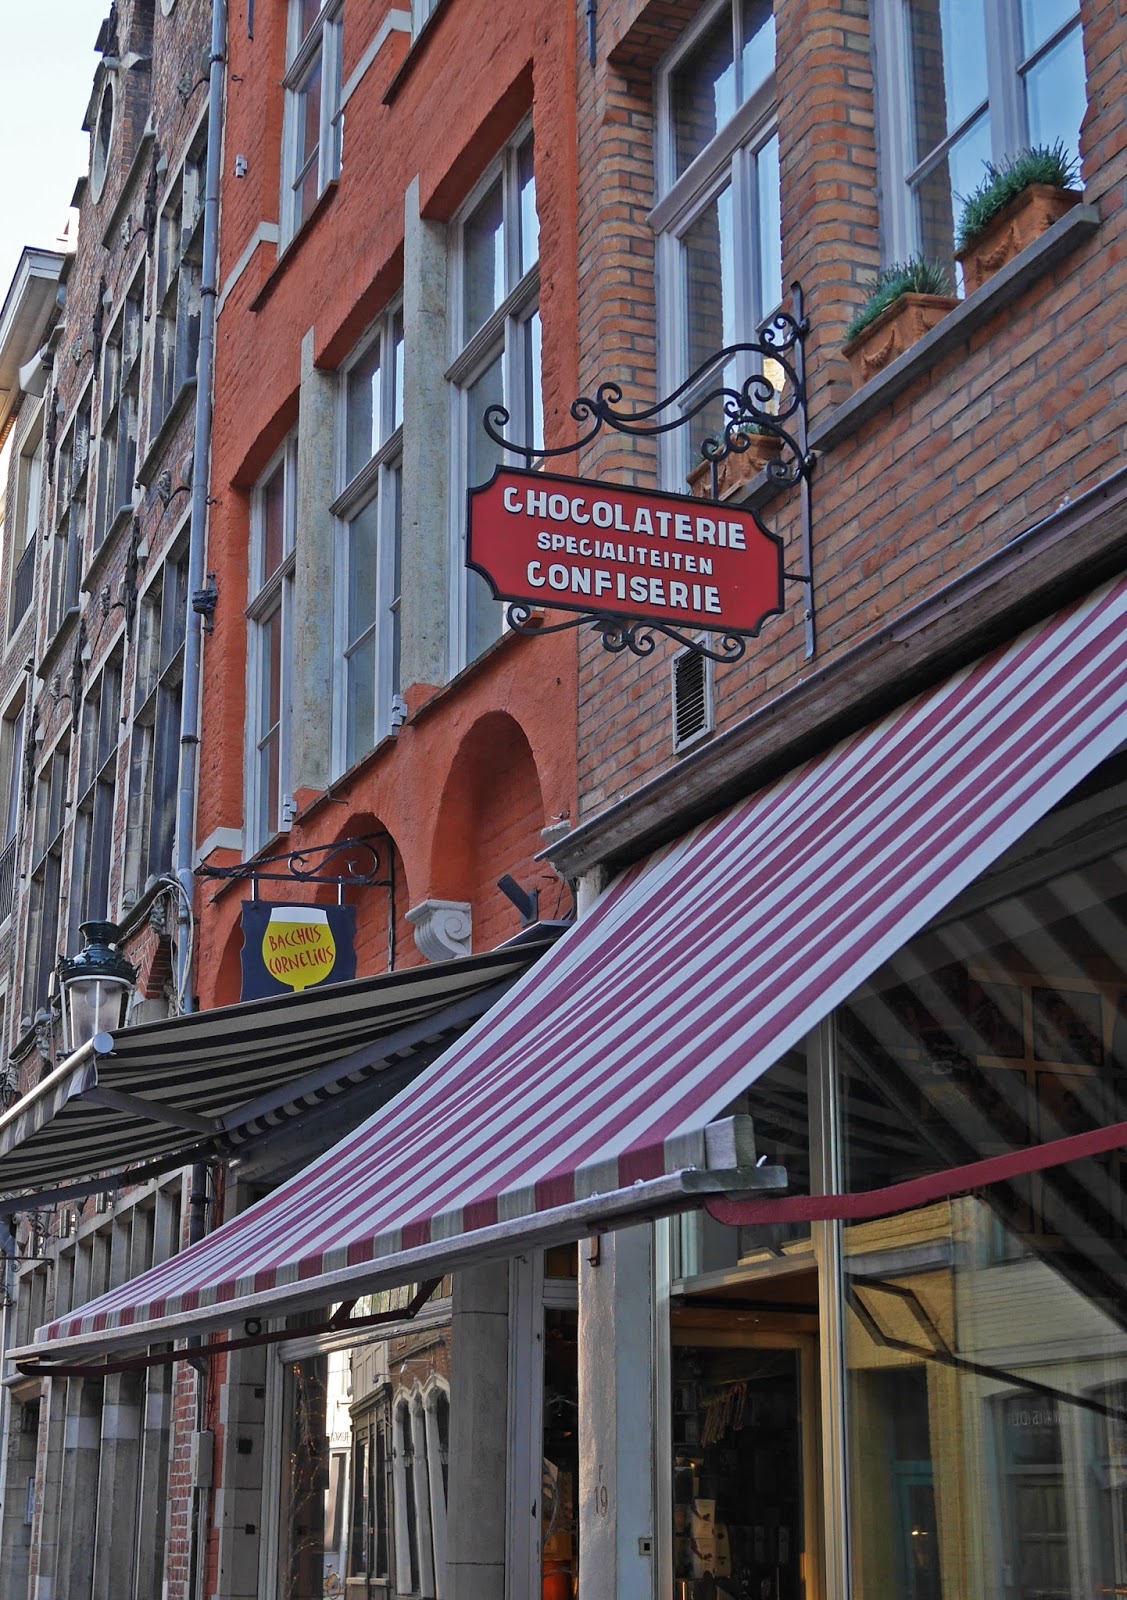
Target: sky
46,74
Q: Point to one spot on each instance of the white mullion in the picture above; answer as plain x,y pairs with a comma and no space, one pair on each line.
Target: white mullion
1004,85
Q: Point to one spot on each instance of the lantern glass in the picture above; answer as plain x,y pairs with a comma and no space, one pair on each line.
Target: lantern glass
96,984
95,1005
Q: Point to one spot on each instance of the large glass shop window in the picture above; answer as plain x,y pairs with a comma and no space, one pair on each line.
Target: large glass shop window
365,1466
986,1336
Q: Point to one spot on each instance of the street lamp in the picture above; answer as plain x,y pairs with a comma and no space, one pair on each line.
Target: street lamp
96,983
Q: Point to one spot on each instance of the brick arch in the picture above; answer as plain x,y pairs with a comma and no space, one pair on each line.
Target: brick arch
373,904
488,823
229,969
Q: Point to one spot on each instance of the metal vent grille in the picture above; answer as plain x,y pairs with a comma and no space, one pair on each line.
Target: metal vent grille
692,698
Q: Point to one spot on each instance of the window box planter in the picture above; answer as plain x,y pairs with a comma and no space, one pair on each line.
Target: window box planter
1017,226
897,328
735,472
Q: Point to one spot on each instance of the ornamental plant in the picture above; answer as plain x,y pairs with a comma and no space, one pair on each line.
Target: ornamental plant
1005,180
917,275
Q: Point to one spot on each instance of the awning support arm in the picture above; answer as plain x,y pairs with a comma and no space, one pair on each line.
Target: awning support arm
339,1322
134,1105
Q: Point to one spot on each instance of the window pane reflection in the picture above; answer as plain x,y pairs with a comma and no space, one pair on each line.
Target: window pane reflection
365,1464
1055,101
703,92
987,1335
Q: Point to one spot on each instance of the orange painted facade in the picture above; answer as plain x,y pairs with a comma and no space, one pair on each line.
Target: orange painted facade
486,760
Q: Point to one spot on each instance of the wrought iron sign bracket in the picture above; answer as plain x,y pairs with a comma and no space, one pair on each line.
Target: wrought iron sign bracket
756,407
359,866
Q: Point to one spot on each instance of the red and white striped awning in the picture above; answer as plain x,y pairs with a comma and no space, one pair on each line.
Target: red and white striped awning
584,1093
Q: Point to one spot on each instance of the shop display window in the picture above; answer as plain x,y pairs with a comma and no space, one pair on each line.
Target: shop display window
986,1336
364,1443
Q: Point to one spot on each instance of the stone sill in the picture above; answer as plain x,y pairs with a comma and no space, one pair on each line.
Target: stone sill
103,555
411,59
57,644
146,472
288,250
1065,236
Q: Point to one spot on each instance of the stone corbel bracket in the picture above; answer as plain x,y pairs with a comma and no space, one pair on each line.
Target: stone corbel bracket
443,928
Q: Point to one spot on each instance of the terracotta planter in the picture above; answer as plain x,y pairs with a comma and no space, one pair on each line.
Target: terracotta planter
907,319
1026,218
736,471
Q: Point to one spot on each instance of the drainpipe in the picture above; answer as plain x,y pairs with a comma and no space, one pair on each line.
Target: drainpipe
193,650
205,369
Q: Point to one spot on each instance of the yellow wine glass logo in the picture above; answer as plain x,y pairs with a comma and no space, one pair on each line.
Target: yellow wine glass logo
298,948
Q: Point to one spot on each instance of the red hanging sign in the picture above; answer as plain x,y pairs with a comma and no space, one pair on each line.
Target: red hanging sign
571,544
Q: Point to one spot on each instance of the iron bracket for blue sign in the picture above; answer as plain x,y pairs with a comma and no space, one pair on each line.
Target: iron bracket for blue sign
359,865
755,408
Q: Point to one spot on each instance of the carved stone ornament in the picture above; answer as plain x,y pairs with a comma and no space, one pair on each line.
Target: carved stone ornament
443,928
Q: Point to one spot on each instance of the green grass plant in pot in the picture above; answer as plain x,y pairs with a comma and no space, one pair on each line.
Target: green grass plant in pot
1017,201
906,300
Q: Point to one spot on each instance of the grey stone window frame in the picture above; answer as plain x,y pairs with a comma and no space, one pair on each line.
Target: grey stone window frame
315,56
270,605
92,843
508,339
119,409
373,485
178,279
154,754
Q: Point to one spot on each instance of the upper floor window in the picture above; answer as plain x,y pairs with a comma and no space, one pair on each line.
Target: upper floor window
313,124
11,791
369,512
45,883
154,756
717,217
118,409
93,843
495,345
176,338
269,647
962,82
72,483
26,522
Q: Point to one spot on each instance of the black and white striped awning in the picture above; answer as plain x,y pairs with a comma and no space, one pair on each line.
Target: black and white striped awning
207,1083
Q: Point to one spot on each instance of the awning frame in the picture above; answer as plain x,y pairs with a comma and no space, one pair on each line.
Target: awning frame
644,1201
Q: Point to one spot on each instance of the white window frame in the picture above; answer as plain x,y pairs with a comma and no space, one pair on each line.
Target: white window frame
119,409
27,523
507,333
374,481
323,43
729,158
1006,69
266,598
95,808
154,747
178,279
72,500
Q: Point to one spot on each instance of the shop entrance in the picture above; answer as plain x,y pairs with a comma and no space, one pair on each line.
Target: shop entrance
744,1436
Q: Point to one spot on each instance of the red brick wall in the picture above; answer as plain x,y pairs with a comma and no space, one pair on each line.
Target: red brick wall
1028,411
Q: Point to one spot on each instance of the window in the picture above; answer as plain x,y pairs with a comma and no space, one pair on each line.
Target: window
103,138
45,882
176,337
118,410
11,780
719,251
495,345
97,800
313,126
25,524
154,762
268,655
369,514
72,483
962,82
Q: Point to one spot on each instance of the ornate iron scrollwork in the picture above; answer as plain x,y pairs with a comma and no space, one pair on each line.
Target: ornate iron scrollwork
754,406
359,866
